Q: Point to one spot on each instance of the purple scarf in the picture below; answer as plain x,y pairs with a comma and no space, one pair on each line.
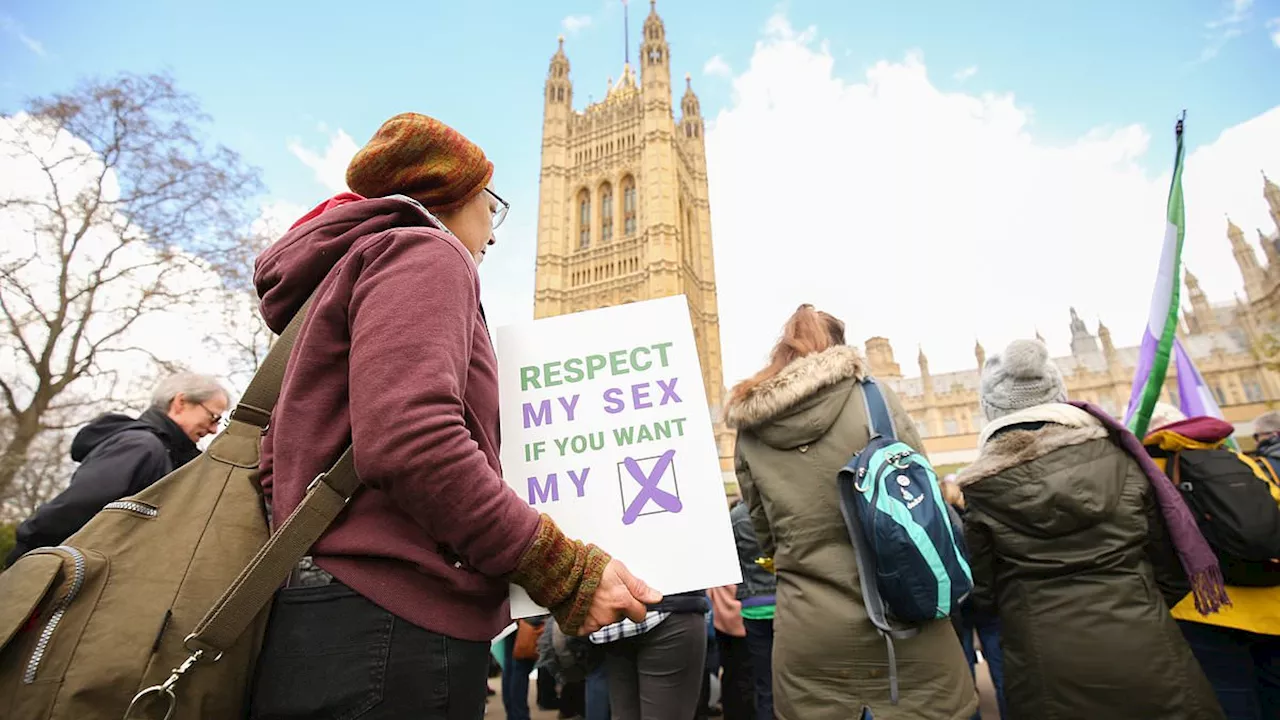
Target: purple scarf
1197,559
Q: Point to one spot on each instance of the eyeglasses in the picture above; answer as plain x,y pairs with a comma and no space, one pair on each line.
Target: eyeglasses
500,212
214,418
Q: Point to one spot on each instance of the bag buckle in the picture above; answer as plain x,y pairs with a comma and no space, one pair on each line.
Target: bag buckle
319,479
165,689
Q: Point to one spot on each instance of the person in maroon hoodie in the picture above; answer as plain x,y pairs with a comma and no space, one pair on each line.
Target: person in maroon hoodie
394,616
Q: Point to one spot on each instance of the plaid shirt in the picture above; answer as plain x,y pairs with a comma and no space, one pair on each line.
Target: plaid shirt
627,629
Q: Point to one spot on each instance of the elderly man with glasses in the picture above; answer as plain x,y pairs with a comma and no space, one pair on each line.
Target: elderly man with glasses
120,456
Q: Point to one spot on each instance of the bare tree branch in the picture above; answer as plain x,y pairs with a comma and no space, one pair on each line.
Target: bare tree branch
125,203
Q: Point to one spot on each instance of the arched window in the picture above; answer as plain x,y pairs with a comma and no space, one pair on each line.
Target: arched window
628,206
606,212
584,219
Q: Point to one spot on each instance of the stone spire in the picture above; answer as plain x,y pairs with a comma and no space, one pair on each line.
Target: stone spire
1272,252
655,57
1271,192
559,89
1108,347
880,358
1082,343
1203,319
1247,261
690,111
980,353
925,378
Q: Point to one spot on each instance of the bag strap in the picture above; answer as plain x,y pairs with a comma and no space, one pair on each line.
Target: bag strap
260,397
324,499
877,410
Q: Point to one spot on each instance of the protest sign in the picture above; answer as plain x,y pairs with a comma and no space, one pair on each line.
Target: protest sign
605,427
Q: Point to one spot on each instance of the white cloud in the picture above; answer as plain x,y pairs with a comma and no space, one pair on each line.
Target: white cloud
12,27
965,73
330,164
1225,28
935,218
717,67
574,24
1273,27
172,333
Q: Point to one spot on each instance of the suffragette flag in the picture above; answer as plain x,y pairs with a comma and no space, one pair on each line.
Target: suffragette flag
1160,341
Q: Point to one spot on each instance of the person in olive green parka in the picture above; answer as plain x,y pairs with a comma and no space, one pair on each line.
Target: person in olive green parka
1068,546
799,421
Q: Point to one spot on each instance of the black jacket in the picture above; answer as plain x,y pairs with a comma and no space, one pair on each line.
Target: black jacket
758,586
119,456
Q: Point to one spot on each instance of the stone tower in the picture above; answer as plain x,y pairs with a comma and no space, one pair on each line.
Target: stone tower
1247,260
623,211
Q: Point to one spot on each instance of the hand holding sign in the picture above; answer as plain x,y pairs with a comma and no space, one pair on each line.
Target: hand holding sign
606,428
620,594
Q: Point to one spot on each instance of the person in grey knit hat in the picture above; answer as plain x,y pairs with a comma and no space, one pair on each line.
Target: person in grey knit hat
1022,376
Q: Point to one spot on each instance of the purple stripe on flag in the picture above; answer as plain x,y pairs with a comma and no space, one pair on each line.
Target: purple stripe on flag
1194,396
1146,358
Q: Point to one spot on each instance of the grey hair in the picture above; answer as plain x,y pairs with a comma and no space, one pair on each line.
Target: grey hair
1267,423
195,387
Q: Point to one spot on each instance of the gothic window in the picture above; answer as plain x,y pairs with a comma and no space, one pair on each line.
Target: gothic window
1252,388
951,427
606,212
1174,399
1222,397
560,94
922,426
628,206
584,219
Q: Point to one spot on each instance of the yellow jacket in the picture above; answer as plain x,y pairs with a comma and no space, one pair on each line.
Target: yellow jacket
1253,609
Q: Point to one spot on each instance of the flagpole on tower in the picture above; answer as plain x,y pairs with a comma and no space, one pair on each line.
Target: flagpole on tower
626,33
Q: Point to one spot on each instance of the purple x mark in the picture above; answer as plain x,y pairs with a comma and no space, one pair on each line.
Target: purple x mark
649,489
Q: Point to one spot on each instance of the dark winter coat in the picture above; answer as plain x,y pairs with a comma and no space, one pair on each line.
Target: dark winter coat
795,432
119,456
1067,545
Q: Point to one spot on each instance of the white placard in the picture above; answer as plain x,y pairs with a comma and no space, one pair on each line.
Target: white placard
605,427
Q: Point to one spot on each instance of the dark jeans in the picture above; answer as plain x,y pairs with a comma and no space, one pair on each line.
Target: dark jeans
989,637
658,675
331,654
760,647
515,681
548,696
737,687
598,693
573,699
1242,667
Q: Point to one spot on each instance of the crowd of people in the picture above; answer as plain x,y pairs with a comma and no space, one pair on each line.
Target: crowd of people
1100,588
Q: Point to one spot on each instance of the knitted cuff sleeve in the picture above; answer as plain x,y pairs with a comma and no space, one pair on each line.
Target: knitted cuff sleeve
561,574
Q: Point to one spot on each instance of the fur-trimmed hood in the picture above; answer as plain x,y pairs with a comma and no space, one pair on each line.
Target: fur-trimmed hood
1023,477
796,383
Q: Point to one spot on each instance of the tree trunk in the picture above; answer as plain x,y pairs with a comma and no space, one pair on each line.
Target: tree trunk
14,457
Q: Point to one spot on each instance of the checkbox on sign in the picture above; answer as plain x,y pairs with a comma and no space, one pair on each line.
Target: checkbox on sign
648,486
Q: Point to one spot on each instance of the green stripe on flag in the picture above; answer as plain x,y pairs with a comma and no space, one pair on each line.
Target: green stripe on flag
1176,217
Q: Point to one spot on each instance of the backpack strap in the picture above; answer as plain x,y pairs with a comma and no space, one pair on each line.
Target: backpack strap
326,496
877,410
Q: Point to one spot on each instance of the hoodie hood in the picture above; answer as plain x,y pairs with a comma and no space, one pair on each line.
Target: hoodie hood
180,448
801,403
99,430
289,271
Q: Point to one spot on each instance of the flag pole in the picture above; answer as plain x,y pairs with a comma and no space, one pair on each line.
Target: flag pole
1166,296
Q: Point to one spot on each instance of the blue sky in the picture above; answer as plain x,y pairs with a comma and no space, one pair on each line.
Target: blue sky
282,73
271,72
